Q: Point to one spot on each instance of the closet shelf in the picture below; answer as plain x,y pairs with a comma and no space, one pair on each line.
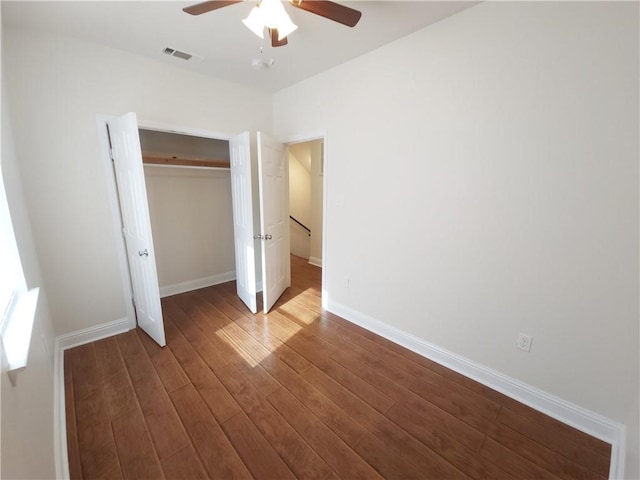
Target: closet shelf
183,160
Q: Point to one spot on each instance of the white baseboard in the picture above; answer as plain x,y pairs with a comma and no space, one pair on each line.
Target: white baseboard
59,416
91,334
190,285
315,261
62,343
584,420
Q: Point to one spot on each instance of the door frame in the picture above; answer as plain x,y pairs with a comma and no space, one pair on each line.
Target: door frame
114,202
303,137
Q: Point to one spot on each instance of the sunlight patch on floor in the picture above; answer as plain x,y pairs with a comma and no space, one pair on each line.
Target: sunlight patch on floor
303,315
248,348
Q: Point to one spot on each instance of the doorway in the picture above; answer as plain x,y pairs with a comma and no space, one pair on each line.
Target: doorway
306,200
311,148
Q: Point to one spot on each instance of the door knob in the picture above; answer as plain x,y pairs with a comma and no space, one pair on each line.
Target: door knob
143,253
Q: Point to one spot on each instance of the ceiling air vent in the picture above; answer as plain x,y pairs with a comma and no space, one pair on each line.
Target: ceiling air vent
180,54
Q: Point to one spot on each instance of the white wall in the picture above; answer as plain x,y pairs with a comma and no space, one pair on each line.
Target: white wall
491,163
56,86
27,409
191,220
299,198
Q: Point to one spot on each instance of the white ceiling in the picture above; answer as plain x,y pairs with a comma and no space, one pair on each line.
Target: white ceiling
228,47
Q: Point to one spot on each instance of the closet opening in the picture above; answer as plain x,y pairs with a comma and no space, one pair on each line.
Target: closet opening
188,184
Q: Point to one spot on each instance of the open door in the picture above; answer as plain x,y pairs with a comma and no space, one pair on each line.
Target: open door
136,225
274,220
241,194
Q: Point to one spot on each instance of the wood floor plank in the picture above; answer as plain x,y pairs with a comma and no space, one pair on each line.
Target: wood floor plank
184,463
251,351
468,406
512,463
211,348
273,336
464,433
163,423
472,409
349,360
150,344
137,456
218,456
323,408
119,395
205,314
259,377
297,313
98,454
571,447
256,452
397,442
167,367
467,434
299,456
86,374
384,351
589,443
353,406
338,455
431,433
307,299
359,387
73,450
539,454
376,453
218,400
108,358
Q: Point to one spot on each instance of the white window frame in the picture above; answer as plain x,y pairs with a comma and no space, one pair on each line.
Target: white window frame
18,312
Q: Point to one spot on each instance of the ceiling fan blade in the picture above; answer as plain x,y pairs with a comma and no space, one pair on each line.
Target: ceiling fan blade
274,38
204,7
331,10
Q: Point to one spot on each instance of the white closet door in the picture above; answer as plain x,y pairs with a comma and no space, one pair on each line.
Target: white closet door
241,193
274,220
127,163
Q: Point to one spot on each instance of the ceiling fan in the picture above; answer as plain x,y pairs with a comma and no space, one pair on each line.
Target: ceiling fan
271,14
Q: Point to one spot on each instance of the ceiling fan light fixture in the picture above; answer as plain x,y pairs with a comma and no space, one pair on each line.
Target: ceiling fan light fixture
270,14
285,26
255,22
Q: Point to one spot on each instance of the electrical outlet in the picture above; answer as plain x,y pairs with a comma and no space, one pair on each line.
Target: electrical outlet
524,342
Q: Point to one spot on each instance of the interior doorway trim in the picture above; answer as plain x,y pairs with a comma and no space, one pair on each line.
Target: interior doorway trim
114,203
302,137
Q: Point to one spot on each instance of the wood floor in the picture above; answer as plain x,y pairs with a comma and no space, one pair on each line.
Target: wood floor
298,393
